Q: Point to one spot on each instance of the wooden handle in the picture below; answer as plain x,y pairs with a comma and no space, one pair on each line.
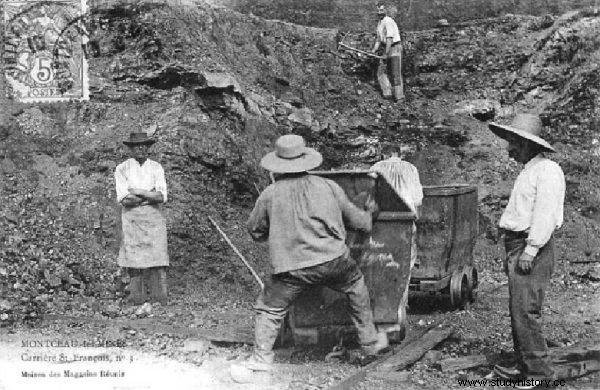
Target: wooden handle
237,252
359,51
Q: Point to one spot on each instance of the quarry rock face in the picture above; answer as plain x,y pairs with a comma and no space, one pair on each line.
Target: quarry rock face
217,87
412,15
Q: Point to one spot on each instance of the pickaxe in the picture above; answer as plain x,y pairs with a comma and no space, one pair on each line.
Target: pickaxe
346,47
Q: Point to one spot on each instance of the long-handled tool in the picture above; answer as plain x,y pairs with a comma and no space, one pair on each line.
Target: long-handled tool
344,46
237,252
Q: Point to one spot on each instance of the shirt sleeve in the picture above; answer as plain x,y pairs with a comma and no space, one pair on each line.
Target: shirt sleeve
550,192
417,188
121,183
258,222
160,184
391,29
353,216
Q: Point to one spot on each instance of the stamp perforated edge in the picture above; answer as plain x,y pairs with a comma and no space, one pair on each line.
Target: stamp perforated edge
83,9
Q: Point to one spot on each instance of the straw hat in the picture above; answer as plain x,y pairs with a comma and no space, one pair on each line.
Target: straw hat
291,156
527,126
139,139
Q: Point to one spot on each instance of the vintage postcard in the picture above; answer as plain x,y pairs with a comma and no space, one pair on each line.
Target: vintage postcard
300,195
44,58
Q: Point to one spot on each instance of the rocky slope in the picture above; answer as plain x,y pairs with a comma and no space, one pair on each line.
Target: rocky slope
217,87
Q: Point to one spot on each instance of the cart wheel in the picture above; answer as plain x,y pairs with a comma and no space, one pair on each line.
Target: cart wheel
460,291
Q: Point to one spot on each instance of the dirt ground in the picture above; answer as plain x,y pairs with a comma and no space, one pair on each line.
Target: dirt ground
217,87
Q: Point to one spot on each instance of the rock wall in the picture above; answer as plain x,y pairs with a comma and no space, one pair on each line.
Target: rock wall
412,15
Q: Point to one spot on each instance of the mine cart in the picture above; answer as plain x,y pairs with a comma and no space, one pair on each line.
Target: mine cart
448,223
446,233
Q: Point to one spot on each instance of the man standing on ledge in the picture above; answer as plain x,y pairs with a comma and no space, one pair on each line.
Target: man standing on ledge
389,72
534,211
141,190
302,216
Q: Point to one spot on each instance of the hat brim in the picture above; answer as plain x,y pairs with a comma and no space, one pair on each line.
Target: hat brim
307,161
504,132
144,142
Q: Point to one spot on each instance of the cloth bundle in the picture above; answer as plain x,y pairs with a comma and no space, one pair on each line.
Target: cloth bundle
403,177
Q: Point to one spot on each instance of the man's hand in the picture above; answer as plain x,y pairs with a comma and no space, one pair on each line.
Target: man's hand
375,48
525,262
371,206
131,201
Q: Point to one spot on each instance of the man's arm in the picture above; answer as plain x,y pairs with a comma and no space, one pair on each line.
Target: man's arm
123,196
550,192
258,222
549,195
152,197
376,46
388,46
158,194
353,216
131,201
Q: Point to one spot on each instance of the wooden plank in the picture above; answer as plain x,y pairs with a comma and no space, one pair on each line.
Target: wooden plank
353,379
585,261
576,369
583,350
586,350
415,350
229,334
462,363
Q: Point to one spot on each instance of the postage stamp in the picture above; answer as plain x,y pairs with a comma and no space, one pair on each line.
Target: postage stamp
44,50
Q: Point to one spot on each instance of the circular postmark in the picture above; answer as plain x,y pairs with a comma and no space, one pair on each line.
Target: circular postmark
44,50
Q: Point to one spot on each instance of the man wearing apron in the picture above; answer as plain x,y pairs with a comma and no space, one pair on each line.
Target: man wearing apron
389,72
141,189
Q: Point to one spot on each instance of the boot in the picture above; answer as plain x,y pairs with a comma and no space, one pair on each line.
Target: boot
381,344
398,93
253,370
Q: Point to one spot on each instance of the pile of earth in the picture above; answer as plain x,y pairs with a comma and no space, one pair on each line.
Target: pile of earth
216,88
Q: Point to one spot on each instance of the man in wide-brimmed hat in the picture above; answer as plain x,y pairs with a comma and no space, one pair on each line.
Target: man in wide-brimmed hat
302,216
534,211
141,189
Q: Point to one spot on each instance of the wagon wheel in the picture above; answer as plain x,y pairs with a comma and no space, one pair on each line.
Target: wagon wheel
460,291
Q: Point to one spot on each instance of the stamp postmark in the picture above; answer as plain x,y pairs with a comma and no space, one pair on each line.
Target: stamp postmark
44,50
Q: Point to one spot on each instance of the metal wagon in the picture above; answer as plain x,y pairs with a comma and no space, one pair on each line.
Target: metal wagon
446,233
384,256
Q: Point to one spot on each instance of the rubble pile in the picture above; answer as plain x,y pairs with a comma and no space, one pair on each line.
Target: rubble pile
216,88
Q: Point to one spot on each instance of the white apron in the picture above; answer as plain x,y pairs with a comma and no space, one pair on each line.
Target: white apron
144,242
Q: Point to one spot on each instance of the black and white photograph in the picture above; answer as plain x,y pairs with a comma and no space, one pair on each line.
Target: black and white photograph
299,194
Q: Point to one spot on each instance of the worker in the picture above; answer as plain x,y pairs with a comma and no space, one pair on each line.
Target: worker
389,71
141,189
403,178
302,216
534,211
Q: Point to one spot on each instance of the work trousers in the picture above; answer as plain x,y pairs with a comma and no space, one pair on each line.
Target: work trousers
389,73
526,296
147,283
341,274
